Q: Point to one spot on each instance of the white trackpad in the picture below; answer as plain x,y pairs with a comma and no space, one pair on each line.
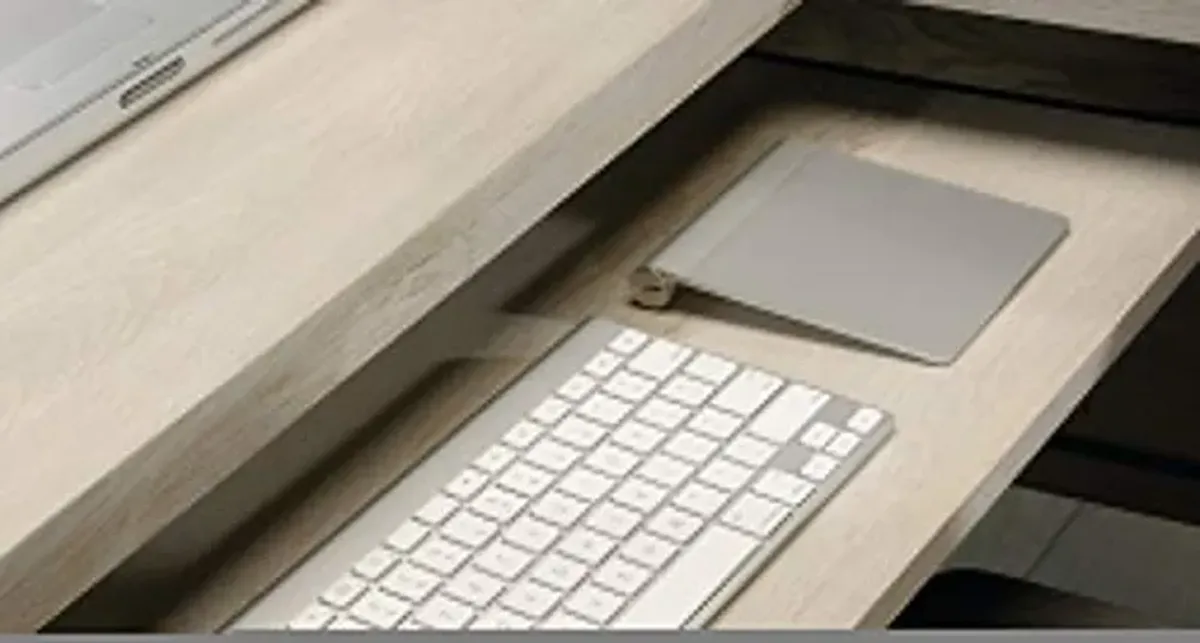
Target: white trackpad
83,31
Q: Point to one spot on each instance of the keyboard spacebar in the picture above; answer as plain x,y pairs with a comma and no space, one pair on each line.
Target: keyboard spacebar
692,579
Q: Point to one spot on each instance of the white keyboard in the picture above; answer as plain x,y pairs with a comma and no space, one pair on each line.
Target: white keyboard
623,482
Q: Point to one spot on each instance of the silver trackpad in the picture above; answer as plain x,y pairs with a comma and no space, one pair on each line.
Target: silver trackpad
68,34
872,253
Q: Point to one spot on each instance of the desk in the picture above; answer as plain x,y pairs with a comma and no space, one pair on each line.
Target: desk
158,328
178,297
1129,189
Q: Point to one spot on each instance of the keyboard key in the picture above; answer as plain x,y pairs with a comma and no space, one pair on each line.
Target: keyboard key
375,564
550,411
628,341
407,536
630,387
563,621
639,495
784,487
344,591
674,525
688,391
499,619
503,560
747,392
663,414
686,585
523,434
475,588
347,624
750,451
411,583
603,365
755,515
594,603
622,576
380,610
441,556
466,484
559,509
577,388
613,520
604,409
436,510
844,444
314,617
579,433
651,551
702,500
530,599
586,546
660,359
469,529
715,423
612,460
665,470
726,475
865,420
552,456
531,534
495,459
638,437
585,484
818,435
787,413
690,447
559,572
497,504
443,613
710,368
819,467
411,623
526,480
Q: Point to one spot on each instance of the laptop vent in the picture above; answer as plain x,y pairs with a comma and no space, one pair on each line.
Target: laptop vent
151,82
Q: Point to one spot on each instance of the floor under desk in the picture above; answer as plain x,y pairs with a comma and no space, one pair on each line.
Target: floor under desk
1130,189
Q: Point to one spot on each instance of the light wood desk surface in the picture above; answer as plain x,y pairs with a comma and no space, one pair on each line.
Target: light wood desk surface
1131,191
176,298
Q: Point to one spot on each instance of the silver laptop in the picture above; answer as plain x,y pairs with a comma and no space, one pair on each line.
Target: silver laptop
73,70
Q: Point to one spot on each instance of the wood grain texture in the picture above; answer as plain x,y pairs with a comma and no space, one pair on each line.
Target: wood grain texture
1043,60
964,432
176,298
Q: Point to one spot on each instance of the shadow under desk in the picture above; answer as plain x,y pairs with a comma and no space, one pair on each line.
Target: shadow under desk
1125,57
1134,441
964,432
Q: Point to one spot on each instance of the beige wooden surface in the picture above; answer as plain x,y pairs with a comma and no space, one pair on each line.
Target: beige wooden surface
175,299
1130,189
